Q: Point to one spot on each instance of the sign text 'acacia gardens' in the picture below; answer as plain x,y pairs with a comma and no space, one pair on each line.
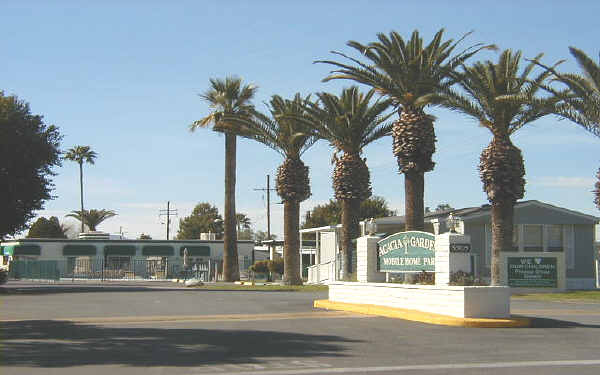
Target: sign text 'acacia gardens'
407,252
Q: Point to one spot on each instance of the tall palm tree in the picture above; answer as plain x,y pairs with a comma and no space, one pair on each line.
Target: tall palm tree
503,101
580,102
227,97
92,217
81,154
285,132
242,221
350,122
412,75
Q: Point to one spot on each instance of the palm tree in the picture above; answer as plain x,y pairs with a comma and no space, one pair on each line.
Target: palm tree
92,217
580,102
81,154
242,221
412,75
349,122
285,132
227,97
503,101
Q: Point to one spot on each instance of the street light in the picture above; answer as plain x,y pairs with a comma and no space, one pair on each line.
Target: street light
452,222
371,227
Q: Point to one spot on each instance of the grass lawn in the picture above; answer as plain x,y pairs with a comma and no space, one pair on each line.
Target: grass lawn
577,295
267,288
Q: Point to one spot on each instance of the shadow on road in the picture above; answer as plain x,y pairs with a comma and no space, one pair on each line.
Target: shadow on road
99,288
555,323
48,343
79,289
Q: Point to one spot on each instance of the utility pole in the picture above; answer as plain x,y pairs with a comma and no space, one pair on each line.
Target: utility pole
268,190
168,213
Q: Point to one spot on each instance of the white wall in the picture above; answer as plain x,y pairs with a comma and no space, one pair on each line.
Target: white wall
457,301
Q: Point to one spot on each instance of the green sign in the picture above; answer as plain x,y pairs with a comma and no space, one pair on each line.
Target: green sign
532,272
407,252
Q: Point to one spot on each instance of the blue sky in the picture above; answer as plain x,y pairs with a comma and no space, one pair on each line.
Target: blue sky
123,77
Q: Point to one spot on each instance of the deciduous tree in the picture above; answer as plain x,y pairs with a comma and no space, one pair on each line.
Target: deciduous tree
331,212
29,149
205,218
47,228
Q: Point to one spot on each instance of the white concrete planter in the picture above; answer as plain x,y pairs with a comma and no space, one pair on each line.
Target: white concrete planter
457,301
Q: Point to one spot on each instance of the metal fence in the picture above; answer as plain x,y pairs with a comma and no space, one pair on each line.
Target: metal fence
40,270
119,268
107,269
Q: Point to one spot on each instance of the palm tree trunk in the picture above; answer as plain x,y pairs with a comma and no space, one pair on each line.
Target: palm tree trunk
81,190
350,230
502,233
231,269
291,247
414,182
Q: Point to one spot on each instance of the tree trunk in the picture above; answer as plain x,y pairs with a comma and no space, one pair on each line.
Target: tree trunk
414,209
502,233
81,195
231,268
350,230
291,247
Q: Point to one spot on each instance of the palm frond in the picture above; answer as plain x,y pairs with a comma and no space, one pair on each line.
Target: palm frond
408,72
498,96
225,97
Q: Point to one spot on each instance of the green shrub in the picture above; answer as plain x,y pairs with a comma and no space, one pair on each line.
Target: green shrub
260,266
425,278
461,278
276,266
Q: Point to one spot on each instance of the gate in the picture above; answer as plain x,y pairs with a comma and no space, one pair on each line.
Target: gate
38,270
111,268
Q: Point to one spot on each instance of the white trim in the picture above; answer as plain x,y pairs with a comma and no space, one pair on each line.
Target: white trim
329,228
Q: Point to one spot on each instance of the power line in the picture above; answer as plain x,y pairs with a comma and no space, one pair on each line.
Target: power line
168,213
268,190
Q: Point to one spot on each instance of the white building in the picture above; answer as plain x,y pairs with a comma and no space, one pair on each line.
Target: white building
538,227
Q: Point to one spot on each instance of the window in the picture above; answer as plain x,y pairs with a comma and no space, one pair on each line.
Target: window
533,237
555,237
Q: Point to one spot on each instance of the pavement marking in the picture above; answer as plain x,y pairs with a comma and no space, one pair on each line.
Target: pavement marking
422,316
450,366
199,318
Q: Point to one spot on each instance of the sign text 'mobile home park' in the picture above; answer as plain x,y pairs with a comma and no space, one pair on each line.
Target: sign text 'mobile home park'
407,252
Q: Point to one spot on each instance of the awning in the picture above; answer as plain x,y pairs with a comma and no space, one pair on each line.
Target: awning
124,250
79,250
196,251
23,249
158,250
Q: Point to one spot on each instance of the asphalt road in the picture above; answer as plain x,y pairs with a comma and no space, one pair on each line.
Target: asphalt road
158,329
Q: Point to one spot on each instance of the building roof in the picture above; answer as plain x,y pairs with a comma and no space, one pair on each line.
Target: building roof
328,228
484,210
150,242
468,213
